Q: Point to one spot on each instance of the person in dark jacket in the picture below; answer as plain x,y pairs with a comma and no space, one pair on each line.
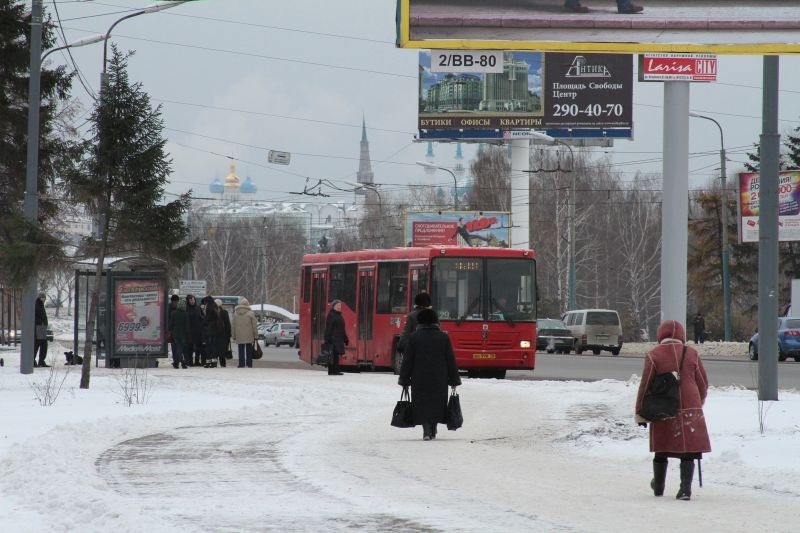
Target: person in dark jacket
226,321
40,331
699,324
429,366
179,331
214,335
195,341
684,436
421,301
173,304
335,336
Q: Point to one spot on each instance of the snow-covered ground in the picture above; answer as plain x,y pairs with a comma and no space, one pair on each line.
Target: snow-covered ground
242,450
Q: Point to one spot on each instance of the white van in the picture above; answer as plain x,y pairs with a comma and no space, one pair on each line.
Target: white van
595,330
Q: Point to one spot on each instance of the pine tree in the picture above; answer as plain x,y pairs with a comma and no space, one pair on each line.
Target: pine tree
26,248
122,184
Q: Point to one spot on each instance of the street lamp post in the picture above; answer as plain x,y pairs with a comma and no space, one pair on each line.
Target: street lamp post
726,282
369,187
31,200
455,181
571,281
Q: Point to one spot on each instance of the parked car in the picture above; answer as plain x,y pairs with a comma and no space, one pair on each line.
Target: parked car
552,335
14,336
281,333
788,340
262,330
595,330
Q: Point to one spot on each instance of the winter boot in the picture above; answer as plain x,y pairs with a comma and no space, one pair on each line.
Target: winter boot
687,473
659,475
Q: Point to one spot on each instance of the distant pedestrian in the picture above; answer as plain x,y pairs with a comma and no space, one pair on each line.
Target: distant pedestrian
699,324
214,336
245,332
335,337
623,6
421,301
226,321
429,366
179,331
173,304
40,331
684,436
195,344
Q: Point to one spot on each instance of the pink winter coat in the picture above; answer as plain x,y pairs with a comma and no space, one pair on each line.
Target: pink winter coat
686,433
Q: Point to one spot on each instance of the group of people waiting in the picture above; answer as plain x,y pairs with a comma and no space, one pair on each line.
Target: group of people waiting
201,334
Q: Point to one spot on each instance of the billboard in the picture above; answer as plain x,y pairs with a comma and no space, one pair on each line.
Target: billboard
524,90
139,316
677,67
458,228
788,206
720,27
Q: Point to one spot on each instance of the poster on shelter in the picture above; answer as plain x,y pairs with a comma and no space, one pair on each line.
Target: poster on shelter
459,228
139,316
788,206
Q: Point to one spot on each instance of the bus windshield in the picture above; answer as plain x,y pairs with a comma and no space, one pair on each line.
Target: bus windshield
486,289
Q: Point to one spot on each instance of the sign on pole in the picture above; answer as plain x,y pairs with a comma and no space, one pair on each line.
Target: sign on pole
192,286
279,158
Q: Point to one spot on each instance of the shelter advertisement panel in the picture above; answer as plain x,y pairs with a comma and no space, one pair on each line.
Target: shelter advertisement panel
788,206
529,90
139,316
458,228
718,27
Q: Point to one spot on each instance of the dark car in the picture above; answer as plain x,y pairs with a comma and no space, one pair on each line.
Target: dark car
552,335
788,340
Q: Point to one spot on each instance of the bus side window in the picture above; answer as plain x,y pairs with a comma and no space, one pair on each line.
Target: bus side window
393,287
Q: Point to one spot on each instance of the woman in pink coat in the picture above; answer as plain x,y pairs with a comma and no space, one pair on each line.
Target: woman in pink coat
685,435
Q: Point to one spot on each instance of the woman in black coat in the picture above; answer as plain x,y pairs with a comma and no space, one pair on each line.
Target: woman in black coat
335,336
195,344
429,366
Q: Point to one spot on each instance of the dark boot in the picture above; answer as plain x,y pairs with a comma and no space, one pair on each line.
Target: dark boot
659,476
426,432
687,473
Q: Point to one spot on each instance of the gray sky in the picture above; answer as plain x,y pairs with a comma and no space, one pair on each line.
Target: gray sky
240,77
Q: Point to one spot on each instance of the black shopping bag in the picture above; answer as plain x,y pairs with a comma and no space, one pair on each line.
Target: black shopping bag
403,416
454,417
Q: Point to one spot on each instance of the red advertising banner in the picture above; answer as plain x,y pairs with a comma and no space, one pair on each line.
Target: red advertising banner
139,316
677,67
458,228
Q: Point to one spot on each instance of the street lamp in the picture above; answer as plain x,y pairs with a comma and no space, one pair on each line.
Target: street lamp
455,181
371,187
31,200
571,301
726,281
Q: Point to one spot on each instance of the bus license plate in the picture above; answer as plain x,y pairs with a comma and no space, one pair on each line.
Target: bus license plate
483,356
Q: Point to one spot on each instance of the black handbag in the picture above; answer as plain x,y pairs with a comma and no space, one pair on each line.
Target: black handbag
257,352
454,417
324,357
403,416
662,399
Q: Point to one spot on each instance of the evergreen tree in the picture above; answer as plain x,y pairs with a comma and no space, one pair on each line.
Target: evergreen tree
26,248
122,182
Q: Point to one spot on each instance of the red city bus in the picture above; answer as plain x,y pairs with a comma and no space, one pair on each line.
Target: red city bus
485,298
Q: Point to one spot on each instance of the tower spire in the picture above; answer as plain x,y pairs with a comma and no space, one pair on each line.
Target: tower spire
364,174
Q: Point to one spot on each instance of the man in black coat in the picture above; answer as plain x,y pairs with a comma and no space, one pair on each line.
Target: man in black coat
421,301
429,366
335,336
40,331
195,344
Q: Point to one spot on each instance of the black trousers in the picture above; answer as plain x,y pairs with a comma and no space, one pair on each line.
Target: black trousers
333,364
40,349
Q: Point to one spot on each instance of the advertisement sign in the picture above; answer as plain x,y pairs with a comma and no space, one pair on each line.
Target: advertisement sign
533,90
139,316
788,206
458,228
722,27
677,67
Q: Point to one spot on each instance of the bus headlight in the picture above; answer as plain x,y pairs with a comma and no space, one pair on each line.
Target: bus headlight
524,344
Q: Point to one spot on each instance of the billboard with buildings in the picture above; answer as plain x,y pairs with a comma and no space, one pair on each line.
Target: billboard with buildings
721,27
524,90
788,206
